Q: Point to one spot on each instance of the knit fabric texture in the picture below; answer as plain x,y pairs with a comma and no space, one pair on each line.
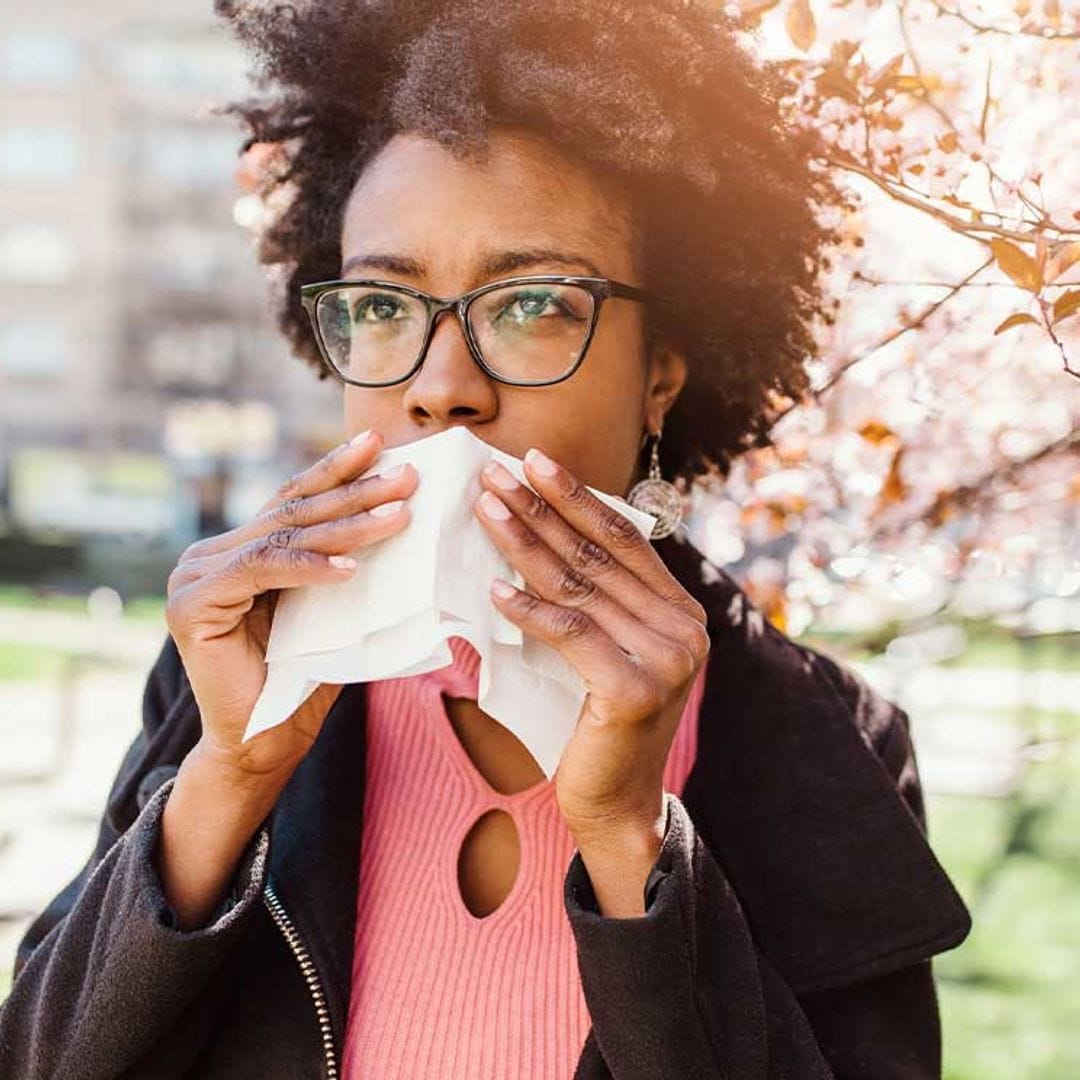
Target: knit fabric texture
436,990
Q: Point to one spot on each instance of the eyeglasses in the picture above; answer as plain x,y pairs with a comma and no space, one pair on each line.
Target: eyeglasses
525,331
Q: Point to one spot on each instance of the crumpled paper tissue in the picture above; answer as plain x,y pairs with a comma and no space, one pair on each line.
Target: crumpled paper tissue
413,590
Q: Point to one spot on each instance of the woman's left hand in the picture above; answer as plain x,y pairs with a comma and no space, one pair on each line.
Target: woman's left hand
602,596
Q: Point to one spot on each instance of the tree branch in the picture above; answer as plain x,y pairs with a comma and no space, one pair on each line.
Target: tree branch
1043,33
970,495
888,339
915,199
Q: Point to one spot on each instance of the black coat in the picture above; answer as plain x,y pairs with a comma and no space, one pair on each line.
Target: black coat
794,908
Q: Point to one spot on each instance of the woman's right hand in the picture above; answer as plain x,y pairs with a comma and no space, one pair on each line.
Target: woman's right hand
222,594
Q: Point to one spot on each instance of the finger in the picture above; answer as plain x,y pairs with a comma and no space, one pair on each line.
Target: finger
228,592
609,674
677,615
307,550
612,530
339,465
343,462
551,579
338,507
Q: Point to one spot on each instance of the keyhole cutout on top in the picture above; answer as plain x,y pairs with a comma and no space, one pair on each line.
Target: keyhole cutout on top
489,862
499,755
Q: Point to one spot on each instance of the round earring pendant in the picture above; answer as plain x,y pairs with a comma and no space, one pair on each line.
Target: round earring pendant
662,500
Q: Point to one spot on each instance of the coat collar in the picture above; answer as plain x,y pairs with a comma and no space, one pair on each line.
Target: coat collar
829,860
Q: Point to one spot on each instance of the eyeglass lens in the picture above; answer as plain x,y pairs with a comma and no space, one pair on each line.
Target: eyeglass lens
529,333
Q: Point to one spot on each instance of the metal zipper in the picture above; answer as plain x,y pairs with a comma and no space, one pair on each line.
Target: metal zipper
310,973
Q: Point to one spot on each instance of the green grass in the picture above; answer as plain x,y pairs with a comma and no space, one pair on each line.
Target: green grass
145,607
988,645
1053,653
22,597
1010,994
19,661
30,661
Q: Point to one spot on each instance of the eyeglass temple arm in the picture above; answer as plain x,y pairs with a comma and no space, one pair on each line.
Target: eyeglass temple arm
626,292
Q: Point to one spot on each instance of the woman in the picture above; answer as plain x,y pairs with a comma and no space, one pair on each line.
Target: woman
735,850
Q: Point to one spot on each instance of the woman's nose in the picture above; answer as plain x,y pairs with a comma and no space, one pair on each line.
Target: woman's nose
450,383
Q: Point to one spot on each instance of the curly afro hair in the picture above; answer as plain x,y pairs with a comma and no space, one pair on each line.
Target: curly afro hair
730,198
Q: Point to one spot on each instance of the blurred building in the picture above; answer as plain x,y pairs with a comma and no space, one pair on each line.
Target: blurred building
133,313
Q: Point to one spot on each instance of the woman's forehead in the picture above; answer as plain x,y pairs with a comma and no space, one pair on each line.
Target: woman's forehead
417,198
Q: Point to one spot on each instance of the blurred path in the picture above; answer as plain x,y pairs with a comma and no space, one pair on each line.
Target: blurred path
970,724
63,742
134,640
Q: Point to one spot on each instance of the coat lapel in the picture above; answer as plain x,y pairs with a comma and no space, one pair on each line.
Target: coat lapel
829,861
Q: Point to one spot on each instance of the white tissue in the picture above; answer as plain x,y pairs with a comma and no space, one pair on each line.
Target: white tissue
412,591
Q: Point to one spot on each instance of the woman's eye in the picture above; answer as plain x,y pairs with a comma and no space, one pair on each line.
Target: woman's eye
531,305
376,308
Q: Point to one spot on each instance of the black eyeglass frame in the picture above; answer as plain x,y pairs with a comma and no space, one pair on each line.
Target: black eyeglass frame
601,288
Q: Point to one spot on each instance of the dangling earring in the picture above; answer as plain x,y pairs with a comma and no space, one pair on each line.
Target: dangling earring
656,496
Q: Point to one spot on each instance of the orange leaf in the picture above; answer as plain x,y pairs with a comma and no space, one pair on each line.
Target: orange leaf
756,7
894,489
1061,258
1066,304
942,509
748,514
910,83
948,142
874,431
834,83
800,25
776,613
1019,266
842,51
777,519
886,71
1014,320
1042,250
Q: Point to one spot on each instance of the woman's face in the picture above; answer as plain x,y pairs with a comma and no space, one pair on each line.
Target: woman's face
447,218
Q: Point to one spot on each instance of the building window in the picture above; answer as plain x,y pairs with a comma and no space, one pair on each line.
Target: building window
37,155
200,356
37,57
183,256
33,348
36,255
186,158
167,68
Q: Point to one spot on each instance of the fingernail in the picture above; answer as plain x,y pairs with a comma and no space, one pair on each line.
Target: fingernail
357,439
386,509
494,507
540,462
342,562
502,588
501,476
397,470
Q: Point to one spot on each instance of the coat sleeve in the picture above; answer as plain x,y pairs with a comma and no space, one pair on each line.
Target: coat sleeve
104,967
683,991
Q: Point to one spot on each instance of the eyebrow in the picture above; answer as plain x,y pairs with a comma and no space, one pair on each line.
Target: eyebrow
492,265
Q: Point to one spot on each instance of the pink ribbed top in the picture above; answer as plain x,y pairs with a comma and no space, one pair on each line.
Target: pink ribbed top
436,990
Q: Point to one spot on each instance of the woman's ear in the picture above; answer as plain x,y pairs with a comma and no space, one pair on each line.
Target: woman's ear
665,377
